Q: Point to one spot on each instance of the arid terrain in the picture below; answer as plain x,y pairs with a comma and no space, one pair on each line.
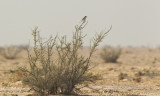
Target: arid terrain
136,72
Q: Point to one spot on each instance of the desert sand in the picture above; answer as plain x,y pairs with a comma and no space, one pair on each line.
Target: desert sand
136,72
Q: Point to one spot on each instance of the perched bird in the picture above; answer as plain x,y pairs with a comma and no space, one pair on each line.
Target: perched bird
84,19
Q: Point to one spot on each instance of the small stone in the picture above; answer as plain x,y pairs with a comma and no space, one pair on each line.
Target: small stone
125,80
18,83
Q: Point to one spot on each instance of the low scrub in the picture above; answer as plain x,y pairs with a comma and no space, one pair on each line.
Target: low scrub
23,47
110,54
10,52
122,76
55,64
147,72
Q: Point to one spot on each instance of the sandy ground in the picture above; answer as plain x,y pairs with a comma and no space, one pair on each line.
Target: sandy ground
131,61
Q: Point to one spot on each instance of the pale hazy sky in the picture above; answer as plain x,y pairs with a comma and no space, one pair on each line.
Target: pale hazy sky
135,22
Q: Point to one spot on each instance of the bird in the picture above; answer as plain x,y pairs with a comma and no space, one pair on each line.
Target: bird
84,19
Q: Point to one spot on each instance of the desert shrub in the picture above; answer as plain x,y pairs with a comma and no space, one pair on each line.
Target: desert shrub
122,76
137,79
23,47
146,72
60,73
110,54
10,52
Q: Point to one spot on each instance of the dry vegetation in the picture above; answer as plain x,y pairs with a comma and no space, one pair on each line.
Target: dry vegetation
60,67
12,52
136,72
110,54
47,75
